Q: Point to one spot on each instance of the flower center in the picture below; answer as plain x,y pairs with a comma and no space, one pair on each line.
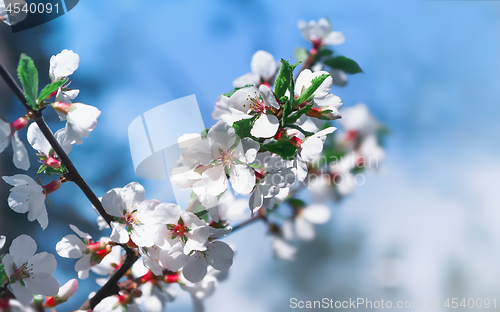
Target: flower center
179,230
226,157
22,272
257,104
130,217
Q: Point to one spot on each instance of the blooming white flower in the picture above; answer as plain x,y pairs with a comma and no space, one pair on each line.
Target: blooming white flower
302,223
135,218
320,33
117,303
29,196
194,266
8,134
81,119
326,105
29,273
88,252
225,154
259,101
313,145
63,64
45,150
358,121
264,71
156,292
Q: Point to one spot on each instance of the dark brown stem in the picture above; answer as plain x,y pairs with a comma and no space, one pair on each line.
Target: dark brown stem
73,174
111,286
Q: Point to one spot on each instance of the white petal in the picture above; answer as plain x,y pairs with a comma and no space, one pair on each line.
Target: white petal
2,241
223,135
263,64
21,158
132,194
5,132
43,265
113,203
62,138
265,126
119,233
82,266
80,233
81,120
143,235
202,152
37,139
317,213
241,99
23,294
8,264
220,255
174,259
47,286
63,64
195,268
334,38
242,178
215,180
22,249
189,140
268,96
247,79
107,305
251,148
71,246
19,179
304,229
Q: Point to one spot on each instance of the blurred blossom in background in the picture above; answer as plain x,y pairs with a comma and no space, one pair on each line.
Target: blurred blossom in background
425,226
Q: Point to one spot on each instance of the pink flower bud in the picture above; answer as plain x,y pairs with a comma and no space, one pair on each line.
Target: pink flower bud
52,162
65,292
62,107
52,186
20,123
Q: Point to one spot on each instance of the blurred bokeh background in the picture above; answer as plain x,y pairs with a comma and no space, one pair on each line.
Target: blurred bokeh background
425,227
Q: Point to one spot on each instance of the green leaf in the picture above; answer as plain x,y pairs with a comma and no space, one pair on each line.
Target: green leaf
244,126
297,203
307,95
283,148
42,168
344,63
324,52
236,89
301,54
28,75
51,88
285,78
293,118
3,277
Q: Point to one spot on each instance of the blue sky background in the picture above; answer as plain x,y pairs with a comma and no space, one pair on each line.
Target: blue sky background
431,75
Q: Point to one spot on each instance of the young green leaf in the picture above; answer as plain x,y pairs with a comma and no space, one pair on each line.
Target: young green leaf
307,94
344,63
293,118
324,52
283,148
50,89
28,75
301,54
285,78
244,126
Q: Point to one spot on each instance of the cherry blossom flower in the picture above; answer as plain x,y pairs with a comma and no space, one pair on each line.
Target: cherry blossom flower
81,120
9,134
358,121
264,71
88,252
326,105
259,101
45,150
29,273
63,64
117,303
194,266
320,33
29,196
302,223
224,154
65,292
135,218
156,291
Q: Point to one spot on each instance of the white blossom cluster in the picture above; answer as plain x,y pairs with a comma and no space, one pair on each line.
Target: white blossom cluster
272,137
